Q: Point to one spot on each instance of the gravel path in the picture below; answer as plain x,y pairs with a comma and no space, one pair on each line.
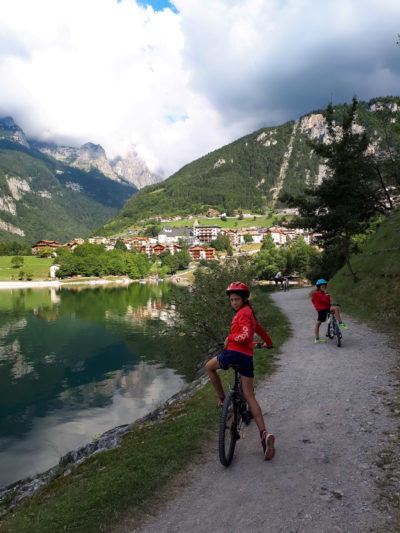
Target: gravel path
329,408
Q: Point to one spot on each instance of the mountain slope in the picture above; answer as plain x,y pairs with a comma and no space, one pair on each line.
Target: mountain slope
41,198
249,173
376,296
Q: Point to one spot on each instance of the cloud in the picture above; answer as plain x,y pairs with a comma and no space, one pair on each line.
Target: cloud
178,83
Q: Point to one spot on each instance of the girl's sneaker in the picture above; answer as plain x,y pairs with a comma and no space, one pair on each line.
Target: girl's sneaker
319,340
343,325
268,442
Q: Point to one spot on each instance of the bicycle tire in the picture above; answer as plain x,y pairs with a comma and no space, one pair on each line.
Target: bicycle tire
331,331
228,433
338,336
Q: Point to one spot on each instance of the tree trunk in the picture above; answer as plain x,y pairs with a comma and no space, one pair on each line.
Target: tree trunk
348,264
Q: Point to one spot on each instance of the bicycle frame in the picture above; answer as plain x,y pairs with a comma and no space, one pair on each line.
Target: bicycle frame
333,329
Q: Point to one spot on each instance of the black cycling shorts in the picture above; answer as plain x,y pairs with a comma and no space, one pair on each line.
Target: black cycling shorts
323,314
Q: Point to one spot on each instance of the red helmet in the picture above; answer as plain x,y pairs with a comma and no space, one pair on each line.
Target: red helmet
238,286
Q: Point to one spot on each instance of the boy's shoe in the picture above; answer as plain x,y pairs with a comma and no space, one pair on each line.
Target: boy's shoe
343,325
319,340
267,443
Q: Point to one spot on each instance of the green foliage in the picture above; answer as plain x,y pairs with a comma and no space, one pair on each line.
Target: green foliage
222,242
376,296
17,261
94,260
247,238
119,245
14,248
342,205
47,251
175,262
204,315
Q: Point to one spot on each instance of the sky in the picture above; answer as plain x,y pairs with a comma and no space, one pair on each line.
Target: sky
178,79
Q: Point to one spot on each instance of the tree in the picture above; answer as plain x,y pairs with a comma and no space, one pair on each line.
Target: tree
120,245
342,205
222,242
247,238
17,261
47,251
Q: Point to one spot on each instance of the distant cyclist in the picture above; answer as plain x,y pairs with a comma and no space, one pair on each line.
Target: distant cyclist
280,276
238,351
322,304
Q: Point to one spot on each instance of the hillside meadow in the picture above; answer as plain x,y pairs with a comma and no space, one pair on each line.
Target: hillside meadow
38,267
375,298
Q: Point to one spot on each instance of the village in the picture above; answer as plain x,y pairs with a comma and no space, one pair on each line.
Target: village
196,239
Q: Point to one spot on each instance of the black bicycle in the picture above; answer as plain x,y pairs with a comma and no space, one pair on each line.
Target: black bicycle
235,414
333,328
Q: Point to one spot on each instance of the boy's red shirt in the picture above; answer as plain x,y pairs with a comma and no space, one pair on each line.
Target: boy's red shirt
243,327
321,300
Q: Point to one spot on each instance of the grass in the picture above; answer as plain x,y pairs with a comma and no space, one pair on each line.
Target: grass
375,298
233,222
112,485
37,266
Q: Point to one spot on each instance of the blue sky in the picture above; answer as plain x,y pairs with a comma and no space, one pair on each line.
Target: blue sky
179,83
157,5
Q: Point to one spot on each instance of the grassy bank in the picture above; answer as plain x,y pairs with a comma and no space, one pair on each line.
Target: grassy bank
38,267
111,485
375,298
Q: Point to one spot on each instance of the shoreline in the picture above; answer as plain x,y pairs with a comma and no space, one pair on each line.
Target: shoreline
55,283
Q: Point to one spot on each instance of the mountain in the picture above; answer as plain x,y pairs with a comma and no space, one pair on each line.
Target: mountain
129,169
249,173
42,198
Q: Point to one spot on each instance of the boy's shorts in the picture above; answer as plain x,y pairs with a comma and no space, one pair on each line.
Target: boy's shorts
323,314
244,362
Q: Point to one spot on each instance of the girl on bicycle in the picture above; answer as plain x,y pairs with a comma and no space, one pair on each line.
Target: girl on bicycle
238,351
322,303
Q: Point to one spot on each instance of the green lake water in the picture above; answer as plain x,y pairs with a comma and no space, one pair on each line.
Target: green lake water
75,363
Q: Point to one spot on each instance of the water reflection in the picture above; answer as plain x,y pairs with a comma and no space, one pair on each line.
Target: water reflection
74,363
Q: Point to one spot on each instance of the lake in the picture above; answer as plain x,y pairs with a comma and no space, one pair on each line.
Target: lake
75,362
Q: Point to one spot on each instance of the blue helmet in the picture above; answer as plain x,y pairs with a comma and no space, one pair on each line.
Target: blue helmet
321,282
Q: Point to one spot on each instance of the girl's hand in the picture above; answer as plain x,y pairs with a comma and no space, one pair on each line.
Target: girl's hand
266,346
226,343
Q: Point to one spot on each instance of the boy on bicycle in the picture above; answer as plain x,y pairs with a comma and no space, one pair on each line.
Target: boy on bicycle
322,304
238,351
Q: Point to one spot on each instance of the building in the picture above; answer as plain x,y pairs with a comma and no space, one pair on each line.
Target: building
201,252
170,234
205,233
36,248
71,245
278,235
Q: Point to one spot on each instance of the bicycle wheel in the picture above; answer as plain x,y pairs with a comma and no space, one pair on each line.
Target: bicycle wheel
331,329
338,335
228,434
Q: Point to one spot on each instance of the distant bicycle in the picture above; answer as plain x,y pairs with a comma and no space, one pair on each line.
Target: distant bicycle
334,329
285,284
235,414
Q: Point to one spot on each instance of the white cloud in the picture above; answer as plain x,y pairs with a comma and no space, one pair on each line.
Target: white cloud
179,85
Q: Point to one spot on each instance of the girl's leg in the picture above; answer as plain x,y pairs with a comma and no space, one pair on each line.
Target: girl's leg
267,439
248,392
211,367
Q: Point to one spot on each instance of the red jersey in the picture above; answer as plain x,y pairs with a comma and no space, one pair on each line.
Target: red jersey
321,300
243,327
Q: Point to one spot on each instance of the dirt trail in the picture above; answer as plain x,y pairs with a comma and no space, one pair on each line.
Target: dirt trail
328,408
